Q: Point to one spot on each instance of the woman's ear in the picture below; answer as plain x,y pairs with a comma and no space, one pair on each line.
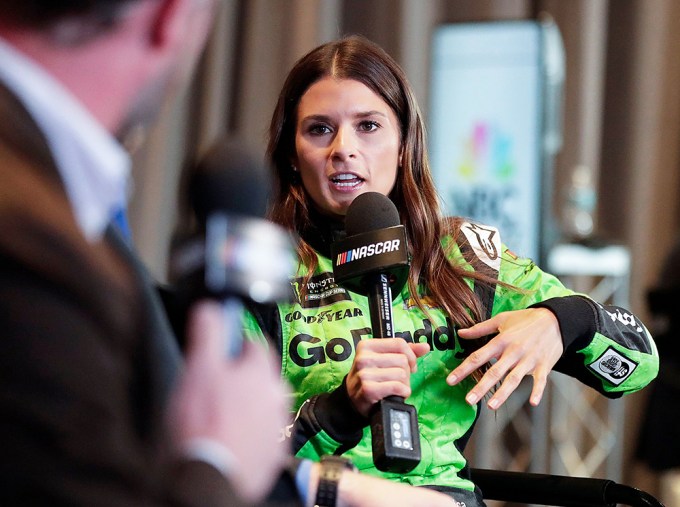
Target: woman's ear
401,156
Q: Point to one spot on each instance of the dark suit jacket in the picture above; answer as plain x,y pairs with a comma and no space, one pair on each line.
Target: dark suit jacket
86,359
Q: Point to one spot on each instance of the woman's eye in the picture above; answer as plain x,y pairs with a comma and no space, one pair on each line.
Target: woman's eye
319,129
369,126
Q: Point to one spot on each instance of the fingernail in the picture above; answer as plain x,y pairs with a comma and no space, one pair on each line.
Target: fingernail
471,398
493,404
451,379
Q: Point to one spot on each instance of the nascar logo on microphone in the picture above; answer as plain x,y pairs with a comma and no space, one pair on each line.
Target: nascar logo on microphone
367,251
382,250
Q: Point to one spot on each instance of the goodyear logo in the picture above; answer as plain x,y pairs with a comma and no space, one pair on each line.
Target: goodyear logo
368,251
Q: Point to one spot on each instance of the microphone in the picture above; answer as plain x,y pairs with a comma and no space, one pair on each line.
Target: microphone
372,260
238,256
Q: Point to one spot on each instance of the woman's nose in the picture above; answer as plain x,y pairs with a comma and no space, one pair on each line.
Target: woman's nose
344,144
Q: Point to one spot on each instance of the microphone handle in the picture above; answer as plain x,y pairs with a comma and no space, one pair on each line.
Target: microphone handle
232,310
380,305
215,279
395,437
380,309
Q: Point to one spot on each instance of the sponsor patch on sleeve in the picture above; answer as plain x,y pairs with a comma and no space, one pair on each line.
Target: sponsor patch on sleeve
613,366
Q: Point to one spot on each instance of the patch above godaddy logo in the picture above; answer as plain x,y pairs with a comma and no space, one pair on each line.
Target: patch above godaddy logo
321,290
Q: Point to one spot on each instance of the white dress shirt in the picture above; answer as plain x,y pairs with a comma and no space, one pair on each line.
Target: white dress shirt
94,167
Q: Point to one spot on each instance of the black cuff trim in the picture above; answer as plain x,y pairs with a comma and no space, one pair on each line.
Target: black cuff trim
577,319
337,416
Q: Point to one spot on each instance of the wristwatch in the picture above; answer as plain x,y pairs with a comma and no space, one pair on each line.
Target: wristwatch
331,471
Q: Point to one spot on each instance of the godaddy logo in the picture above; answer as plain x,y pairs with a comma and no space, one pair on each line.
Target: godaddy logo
307,350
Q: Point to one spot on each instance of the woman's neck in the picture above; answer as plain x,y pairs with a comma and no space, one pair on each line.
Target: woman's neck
323,231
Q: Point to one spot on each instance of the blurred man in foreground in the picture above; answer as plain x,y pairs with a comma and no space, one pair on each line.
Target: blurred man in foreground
87,366
90,376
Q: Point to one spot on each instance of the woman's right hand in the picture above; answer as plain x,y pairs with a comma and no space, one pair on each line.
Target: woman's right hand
382,367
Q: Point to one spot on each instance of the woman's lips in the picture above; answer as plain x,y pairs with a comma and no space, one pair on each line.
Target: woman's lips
346,181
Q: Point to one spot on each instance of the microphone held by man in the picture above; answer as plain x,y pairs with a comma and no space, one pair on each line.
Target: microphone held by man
237,257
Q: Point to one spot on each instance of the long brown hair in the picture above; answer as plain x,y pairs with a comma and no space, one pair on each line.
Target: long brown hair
414,195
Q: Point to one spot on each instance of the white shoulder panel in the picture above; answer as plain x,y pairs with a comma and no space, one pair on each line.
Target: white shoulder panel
486,243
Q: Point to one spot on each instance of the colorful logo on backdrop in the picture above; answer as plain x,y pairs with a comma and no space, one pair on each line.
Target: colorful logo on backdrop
486,187
487,153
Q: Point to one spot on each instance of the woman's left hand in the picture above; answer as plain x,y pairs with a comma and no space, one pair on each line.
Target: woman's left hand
528,342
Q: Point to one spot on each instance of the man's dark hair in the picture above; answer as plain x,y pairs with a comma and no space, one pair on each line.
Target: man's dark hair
45,13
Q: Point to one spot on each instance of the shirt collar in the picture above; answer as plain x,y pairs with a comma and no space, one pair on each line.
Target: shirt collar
93,166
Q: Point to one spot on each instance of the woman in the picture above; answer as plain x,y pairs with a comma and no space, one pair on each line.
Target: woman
347,123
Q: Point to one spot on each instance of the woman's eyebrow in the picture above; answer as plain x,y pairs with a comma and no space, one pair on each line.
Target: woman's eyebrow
359,114
363,114
316,117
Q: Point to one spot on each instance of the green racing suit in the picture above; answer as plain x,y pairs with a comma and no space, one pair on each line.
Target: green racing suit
605,347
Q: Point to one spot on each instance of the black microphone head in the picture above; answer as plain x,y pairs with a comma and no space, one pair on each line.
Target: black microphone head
237,252
370,211
375,243
232,179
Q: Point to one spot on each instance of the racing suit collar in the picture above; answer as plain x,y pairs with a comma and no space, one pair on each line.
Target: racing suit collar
322,231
